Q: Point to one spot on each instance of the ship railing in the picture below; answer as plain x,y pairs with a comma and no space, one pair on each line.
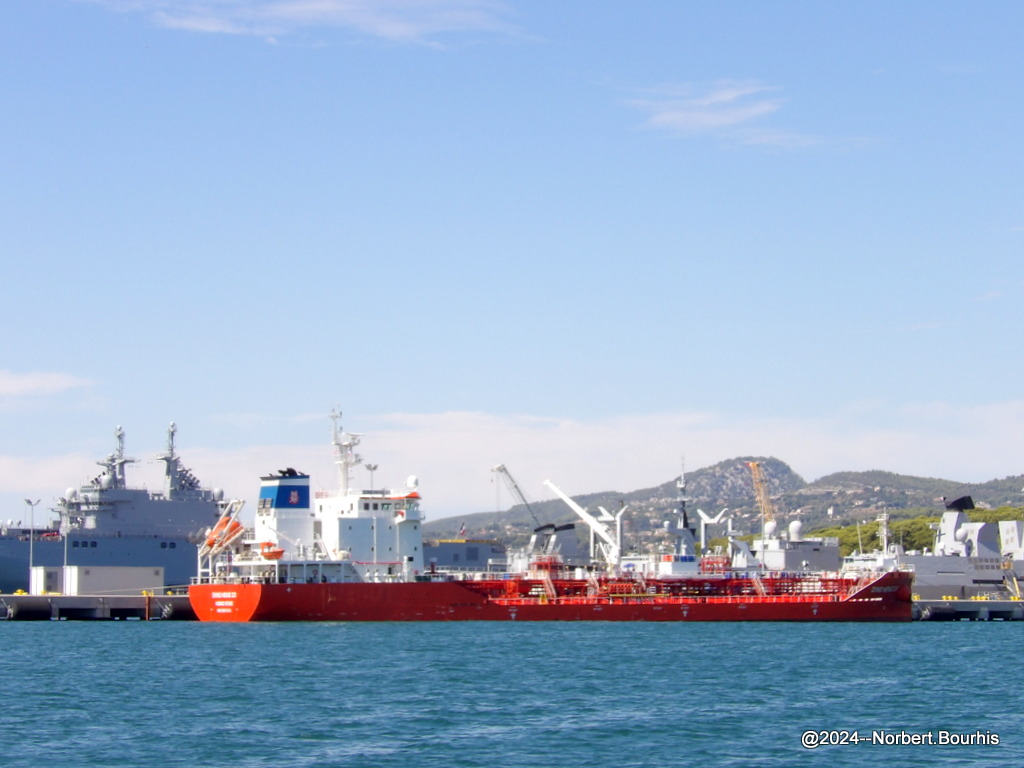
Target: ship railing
715,564
782,587
636,599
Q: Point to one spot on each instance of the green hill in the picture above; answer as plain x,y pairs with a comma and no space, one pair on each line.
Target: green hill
834,500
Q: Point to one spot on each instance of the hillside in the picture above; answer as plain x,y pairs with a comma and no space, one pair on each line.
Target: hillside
843,497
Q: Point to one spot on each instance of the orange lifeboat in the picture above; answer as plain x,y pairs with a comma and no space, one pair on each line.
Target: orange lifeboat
218,529
271,551
233,530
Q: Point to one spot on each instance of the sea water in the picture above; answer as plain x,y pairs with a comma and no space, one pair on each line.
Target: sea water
486,695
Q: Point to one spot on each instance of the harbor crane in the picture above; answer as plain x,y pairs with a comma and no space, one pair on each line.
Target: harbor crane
517,492
764,501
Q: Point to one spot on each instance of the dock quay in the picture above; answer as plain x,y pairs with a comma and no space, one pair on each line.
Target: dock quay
953,609
177,608
147,607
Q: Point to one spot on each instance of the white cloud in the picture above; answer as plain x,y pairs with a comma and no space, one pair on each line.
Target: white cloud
38,384
724,105
44,479
732,110
453,453
399,20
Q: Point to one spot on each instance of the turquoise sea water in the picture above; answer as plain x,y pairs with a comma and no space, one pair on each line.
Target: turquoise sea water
504,695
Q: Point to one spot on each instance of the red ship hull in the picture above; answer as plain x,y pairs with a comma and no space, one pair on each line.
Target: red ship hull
887,598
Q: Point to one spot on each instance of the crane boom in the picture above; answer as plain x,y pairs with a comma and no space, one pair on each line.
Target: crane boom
764,501
517,492
612,546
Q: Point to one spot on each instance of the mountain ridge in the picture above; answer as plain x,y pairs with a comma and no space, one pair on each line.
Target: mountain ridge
834,499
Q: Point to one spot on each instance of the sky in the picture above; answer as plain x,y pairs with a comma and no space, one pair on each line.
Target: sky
596,242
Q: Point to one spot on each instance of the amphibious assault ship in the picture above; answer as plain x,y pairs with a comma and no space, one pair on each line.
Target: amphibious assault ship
107,523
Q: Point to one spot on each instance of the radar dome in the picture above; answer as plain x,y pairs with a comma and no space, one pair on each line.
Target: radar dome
769,528
218,494
411,482
960,535
71,494
795,529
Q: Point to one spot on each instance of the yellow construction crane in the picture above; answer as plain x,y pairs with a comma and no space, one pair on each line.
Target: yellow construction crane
764,501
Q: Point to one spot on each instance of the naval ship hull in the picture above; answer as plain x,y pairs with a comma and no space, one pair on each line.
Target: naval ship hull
176,555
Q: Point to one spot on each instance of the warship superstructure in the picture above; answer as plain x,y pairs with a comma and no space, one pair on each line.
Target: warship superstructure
969,560
105,522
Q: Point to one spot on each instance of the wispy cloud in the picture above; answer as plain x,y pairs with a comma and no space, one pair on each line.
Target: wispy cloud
725,105
20,385
396,20
453,453
727,109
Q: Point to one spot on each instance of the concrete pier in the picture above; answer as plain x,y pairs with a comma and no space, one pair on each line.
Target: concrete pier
968,610
95,607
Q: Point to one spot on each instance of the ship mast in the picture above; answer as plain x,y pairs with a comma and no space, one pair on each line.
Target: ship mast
170,460
684,519
115,462
344,452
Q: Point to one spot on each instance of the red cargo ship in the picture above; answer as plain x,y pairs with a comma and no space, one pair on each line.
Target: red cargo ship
364,562
886,597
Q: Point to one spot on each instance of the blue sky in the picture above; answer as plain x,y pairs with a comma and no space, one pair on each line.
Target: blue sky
582,239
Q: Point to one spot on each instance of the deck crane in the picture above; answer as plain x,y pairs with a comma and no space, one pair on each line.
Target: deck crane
611,540
517,492
764,501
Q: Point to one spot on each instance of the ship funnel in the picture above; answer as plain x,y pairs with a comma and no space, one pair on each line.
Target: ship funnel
283,514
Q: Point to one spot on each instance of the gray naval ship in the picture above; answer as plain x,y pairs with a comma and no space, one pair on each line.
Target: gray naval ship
107,523
968,560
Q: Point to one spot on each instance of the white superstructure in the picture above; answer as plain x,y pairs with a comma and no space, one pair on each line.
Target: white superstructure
341,535
967,560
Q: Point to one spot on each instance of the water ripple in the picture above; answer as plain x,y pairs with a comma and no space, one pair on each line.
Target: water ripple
480,695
